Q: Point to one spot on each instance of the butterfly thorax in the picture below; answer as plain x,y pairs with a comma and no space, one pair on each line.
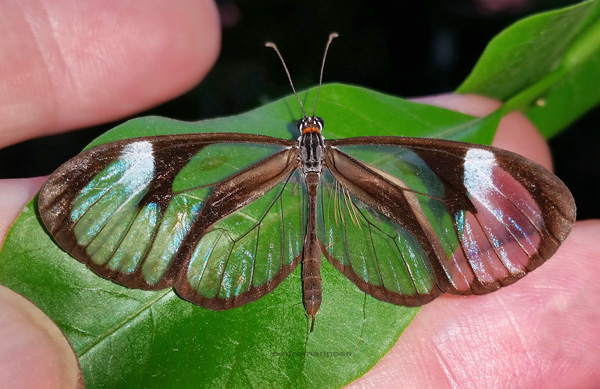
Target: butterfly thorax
311,144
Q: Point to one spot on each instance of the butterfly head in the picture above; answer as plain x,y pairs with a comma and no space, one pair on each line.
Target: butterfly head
310,124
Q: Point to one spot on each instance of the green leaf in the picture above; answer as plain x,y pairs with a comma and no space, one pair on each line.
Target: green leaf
126,337
547,65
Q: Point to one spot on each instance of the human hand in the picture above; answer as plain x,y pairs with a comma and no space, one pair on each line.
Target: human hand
542,330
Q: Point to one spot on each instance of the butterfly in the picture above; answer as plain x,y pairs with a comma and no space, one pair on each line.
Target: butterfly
405,219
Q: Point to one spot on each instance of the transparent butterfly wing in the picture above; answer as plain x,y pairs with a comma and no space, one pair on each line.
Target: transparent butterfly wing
162,211
434,216
247,254
375,252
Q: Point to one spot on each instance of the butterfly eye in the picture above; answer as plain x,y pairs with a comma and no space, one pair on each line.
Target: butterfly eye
321,122
301,124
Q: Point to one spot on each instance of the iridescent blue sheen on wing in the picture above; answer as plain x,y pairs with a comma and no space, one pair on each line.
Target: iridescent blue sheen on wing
250,247
134,203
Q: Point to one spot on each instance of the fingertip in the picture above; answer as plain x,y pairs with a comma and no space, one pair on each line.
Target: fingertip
14,195
473,105
157,51
34,353
72,64
515,132
173,54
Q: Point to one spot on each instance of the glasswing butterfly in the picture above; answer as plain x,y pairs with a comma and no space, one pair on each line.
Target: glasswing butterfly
405,219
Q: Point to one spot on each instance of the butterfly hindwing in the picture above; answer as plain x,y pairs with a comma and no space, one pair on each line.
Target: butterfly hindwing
138,211
448,216
379,255
248,253
371,233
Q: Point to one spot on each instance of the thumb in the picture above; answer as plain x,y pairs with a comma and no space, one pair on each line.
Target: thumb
34,353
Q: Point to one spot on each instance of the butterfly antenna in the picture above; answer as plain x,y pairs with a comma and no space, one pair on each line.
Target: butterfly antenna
332,36
274,47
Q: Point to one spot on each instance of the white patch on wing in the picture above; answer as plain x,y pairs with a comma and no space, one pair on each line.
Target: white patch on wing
122,180
139,164
479,167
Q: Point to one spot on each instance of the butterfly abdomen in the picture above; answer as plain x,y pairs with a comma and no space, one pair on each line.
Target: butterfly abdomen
311,255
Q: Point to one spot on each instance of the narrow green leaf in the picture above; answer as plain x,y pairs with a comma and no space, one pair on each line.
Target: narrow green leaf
546,65
126,337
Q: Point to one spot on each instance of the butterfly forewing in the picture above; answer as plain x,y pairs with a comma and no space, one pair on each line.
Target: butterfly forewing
476,217
134,211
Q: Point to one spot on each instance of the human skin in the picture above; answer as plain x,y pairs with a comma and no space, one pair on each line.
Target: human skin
70,64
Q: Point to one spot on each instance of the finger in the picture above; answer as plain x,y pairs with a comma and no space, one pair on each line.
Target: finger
515,132
14,194
34,352
69,64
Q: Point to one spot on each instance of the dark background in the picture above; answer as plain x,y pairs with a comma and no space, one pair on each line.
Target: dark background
397,47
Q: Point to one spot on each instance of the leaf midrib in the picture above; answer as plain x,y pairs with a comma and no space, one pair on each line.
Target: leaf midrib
124,321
